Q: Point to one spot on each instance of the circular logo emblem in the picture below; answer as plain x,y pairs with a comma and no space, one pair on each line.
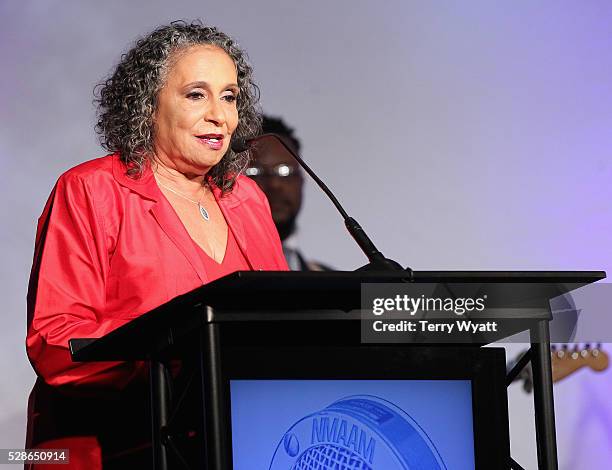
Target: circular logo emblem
360,432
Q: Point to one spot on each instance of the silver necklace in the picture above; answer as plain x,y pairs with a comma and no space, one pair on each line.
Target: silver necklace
201,208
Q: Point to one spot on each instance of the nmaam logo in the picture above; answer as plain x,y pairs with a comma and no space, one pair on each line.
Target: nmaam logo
360,432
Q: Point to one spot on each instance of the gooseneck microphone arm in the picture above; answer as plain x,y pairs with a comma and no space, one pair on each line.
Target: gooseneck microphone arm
377,259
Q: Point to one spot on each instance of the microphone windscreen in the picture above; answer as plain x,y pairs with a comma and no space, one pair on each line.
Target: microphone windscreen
240,145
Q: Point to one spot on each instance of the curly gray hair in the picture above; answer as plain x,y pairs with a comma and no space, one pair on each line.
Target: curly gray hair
128,99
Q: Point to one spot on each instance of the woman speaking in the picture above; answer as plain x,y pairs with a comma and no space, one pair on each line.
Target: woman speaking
167,211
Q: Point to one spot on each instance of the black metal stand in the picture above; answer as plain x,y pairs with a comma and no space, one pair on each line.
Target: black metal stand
159,413
543,397
544,405
213,396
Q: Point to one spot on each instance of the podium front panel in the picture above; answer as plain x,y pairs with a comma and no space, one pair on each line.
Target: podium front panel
375,406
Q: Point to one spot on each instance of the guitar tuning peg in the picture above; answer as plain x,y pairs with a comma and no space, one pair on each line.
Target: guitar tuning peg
575,353
553,347
585,352
587,345
596,349
561,353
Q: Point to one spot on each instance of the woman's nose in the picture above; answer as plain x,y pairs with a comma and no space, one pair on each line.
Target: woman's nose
215,114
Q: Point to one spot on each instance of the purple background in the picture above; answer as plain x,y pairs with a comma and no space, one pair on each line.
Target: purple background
462,135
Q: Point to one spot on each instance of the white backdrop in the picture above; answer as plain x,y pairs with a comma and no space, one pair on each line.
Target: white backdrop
462,135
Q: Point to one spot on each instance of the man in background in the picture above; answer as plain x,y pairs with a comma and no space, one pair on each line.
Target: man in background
281,179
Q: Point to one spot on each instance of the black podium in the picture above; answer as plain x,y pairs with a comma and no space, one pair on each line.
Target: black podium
307,326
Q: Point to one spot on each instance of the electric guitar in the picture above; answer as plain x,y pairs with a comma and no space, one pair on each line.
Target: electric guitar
566,360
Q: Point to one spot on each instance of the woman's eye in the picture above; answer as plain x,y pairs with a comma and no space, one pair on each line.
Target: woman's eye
230,98
195,95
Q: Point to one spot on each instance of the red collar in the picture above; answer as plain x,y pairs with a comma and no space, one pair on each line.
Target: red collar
146,186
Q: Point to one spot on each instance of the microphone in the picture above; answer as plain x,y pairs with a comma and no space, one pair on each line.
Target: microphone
378,262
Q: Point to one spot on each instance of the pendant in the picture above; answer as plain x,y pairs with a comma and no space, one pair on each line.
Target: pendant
203,212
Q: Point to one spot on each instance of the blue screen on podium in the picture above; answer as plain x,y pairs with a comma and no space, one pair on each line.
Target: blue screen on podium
352,424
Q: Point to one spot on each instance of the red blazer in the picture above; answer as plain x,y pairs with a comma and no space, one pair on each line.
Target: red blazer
110,248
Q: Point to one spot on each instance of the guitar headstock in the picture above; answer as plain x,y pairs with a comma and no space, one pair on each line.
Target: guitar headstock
568,359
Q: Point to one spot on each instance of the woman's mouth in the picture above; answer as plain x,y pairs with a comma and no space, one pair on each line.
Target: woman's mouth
212,141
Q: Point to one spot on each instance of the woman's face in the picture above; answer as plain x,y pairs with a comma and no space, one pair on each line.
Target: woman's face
196,110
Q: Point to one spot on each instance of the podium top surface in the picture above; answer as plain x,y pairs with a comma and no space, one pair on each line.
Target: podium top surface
335,290
342,279
340,289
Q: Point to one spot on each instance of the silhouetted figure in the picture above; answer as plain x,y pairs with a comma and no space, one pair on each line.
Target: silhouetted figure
281,179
